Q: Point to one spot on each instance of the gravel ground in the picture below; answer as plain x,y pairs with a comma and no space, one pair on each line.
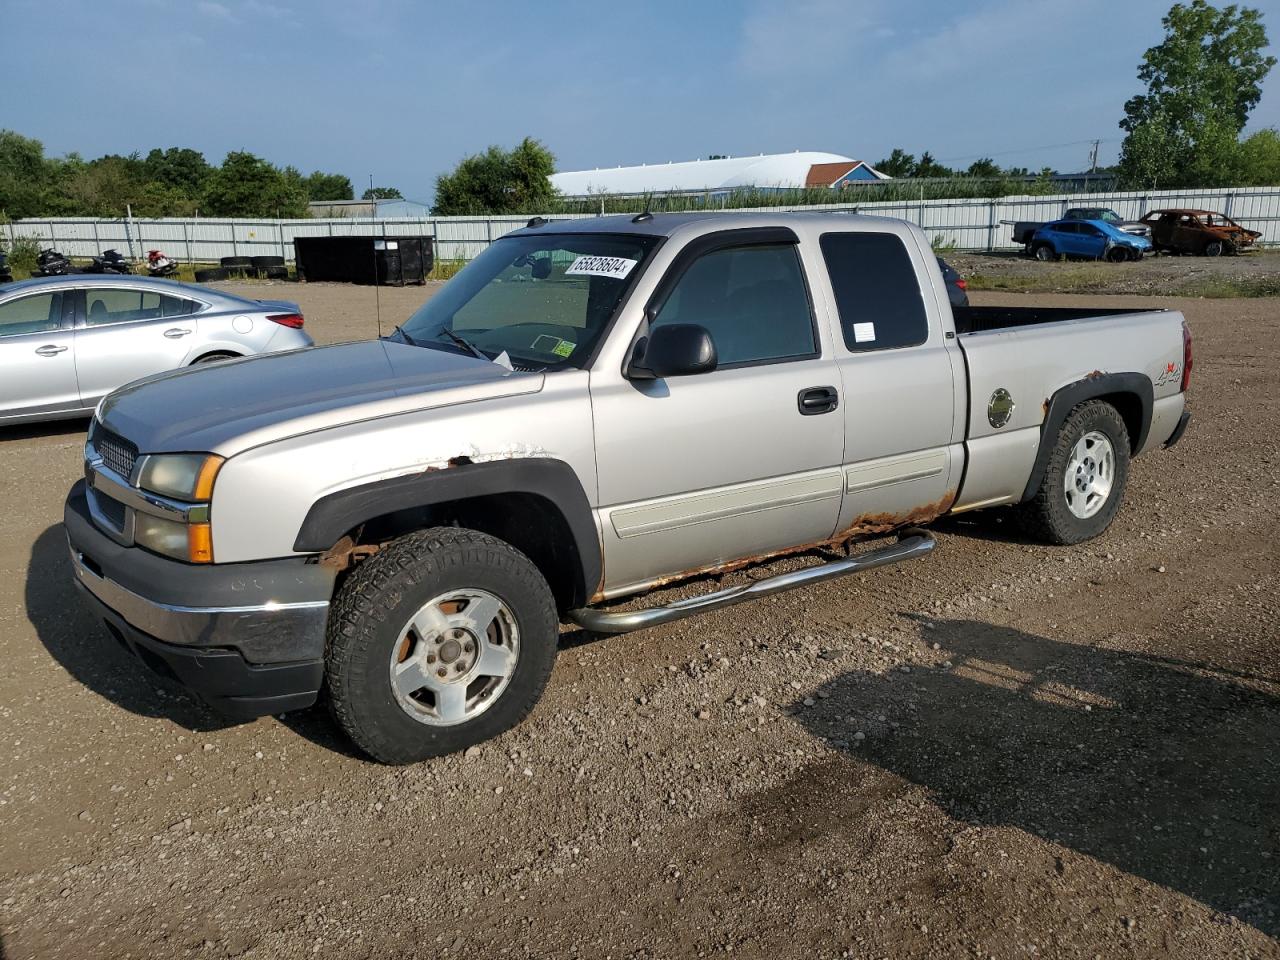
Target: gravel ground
1004,750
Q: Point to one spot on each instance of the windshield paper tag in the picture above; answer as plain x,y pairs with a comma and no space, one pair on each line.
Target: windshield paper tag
863,332
616,267
564,348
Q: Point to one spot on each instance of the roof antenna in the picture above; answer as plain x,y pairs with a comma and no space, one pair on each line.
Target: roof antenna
377,294
646,216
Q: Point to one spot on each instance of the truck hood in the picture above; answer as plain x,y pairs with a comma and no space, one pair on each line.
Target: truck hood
225,408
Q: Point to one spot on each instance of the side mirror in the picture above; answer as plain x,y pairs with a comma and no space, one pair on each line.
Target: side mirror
673,350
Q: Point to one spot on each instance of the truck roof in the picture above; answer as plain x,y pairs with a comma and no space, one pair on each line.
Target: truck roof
666,224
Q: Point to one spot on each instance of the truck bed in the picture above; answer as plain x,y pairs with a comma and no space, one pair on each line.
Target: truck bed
980,319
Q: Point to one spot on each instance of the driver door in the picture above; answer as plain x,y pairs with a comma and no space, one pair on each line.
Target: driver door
696,472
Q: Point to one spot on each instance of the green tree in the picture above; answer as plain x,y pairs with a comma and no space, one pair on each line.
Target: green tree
498,181
899,163
328,186
24,175
929,167
248,186
382,193
181,168
983,167
1259,159
1202,81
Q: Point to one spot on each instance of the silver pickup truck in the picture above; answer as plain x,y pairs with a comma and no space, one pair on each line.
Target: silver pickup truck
590,410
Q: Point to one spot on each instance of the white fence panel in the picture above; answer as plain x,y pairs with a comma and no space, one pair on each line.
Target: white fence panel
965,224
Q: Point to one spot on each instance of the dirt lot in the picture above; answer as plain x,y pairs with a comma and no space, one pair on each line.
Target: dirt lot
1005,750
1254,274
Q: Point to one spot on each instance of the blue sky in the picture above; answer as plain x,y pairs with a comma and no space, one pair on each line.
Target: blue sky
404,90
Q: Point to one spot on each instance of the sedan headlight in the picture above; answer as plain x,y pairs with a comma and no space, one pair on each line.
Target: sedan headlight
184,476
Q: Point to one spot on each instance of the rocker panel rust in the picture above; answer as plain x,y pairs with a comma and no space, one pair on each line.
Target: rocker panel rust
863,525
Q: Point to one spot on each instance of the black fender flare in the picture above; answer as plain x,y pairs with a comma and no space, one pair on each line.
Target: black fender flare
1069,397
334,515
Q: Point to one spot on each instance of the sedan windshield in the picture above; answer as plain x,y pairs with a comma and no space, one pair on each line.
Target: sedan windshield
542,299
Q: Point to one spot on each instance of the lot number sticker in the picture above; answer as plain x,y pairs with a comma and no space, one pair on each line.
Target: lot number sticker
616,267
864,332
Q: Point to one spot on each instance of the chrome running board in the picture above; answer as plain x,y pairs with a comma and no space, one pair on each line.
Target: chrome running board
913,545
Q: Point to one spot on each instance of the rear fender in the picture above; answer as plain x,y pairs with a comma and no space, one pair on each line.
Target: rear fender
1133,385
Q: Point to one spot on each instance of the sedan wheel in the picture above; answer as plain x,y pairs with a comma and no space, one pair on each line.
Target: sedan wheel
1044,253
1214,248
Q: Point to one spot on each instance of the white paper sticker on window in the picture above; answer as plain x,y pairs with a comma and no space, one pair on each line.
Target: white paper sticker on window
616,267
863,332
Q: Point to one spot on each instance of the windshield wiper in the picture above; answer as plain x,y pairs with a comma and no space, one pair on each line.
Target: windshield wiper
407,339
465,344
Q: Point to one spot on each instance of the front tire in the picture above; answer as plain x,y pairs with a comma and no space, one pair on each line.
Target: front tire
1084,482
443,639
1214,248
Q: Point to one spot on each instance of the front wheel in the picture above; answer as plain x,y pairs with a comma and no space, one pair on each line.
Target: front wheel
443,639
1084,481
1214,248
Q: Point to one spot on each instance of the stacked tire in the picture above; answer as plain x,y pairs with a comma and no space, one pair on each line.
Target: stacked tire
272,268
211,275
237,266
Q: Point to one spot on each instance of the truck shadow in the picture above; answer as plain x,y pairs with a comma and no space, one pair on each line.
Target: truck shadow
84,648
1166,769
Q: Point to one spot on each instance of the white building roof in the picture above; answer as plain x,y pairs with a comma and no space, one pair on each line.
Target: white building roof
779,170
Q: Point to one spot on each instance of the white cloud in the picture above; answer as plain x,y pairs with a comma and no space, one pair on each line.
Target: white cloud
809,37
216,11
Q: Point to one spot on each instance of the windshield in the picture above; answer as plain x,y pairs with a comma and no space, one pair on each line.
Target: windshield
543,299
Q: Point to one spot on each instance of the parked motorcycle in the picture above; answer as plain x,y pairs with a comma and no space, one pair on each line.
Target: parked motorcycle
50,263
110,262
160,265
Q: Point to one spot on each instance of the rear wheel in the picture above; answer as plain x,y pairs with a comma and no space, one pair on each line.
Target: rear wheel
443,639
215,357
1044,253
1084,481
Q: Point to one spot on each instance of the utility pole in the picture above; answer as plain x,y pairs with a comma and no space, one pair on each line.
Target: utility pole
1093,157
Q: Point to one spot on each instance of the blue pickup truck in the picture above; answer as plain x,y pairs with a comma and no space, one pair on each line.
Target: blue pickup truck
1090,239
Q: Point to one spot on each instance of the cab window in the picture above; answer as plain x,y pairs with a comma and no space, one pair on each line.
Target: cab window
752,300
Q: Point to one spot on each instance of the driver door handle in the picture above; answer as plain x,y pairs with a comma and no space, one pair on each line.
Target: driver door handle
815,400
50,350
173,333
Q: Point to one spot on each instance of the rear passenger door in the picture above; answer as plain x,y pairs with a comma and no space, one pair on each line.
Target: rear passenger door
125,333
903,382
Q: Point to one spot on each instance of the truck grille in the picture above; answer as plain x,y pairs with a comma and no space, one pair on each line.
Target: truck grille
117,453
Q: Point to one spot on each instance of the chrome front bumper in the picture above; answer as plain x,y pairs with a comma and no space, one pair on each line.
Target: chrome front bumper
202,626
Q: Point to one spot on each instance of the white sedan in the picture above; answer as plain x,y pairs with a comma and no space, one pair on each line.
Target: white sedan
66,342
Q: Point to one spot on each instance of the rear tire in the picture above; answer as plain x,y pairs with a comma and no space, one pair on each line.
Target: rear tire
407,677
1084,482
1045,253
215,357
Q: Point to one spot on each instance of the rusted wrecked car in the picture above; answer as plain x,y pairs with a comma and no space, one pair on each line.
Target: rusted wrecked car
1201,232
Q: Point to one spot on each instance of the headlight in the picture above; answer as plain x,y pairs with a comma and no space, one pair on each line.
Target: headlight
184,476
191,542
